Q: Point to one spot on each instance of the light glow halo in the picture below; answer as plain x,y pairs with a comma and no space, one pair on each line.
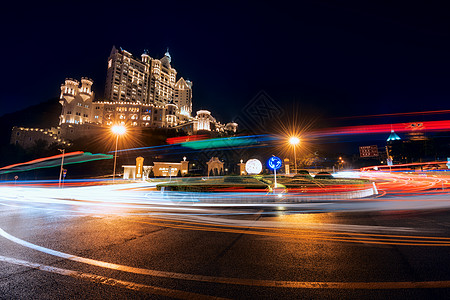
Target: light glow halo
253,166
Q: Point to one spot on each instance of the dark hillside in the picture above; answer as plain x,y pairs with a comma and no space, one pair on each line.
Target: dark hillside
42,115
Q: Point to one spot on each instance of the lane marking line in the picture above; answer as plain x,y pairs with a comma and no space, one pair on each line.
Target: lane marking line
108,281
235,281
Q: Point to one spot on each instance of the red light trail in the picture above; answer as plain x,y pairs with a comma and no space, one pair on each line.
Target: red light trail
384,128
417,113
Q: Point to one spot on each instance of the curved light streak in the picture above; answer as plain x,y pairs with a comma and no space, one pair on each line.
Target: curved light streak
53,161
42,159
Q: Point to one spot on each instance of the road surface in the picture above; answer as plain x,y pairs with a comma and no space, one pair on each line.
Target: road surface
128,241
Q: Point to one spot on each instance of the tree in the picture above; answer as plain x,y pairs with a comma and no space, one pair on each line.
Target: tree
179,173
307,160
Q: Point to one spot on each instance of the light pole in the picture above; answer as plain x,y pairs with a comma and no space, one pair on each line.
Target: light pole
294,141
341,163
118,130
62,163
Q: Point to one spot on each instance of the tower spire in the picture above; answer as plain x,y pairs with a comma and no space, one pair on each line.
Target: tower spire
393,136
167,54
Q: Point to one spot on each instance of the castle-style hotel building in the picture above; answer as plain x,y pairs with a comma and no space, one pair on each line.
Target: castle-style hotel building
141,92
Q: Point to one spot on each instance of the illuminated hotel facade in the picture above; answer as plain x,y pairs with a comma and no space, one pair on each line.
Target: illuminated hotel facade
142,93
139,93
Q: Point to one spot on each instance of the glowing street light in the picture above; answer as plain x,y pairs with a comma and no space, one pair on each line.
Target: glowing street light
294,141
340,163
118,130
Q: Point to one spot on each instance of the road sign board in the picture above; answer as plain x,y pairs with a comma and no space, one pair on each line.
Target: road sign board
390,162
274,163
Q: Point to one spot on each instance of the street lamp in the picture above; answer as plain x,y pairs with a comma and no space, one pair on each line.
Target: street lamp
118,130
294,141
341,163
62,163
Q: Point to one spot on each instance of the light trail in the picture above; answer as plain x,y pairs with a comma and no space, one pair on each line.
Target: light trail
54,161
199,143
168,210
138,199
417,113
443,125
439,166
42,159
141,196
398,240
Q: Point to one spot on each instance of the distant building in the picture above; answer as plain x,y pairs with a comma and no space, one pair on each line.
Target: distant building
77,101
142,93
79,107
27,137
139,93
160,169
393,136
215,166
127,78
146,80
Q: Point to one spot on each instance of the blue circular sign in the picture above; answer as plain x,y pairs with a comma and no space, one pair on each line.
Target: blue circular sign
274,163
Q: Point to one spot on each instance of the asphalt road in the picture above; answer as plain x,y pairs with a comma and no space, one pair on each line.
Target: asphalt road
76,248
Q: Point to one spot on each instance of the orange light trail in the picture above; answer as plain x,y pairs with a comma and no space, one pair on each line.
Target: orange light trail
42,159
369,238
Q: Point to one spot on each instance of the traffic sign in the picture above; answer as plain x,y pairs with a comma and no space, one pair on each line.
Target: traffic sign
390,161
274,163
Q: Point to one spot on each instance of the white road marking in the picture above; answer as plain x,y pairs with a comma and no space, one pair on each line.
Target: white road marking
107,280
235,281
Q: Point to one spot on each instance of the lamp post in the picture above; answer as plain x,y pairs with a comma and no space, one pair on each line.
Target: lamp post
118,130
340,163
294,141
62,164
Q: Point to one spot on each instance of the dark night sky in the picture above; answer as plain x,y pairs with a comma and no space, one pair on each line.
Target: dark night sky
335,59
